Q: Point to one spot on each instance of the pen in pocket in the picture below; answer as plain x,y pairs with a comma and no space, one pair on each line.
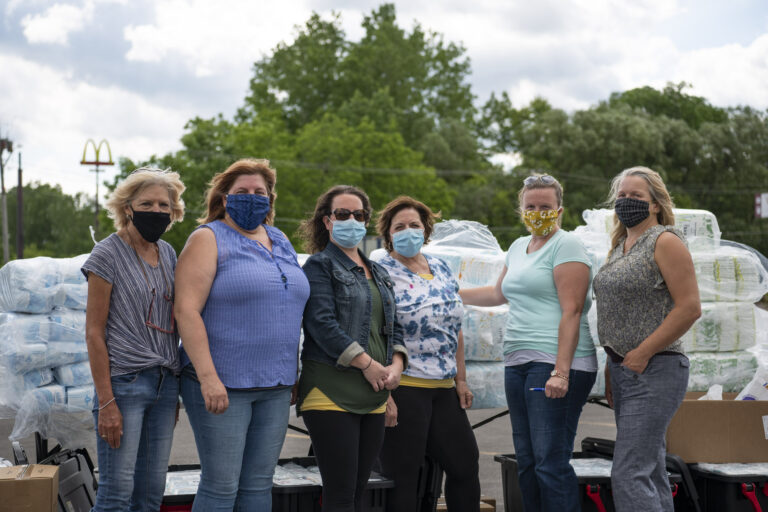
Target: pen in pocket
535,389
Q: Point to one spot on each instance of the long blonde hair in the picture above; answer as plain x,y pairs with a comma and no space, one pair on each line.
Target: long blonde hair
659,195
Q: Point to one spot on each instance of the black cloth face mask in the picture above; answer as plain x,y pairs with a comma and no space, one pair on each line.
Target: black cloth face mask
151,225
632,212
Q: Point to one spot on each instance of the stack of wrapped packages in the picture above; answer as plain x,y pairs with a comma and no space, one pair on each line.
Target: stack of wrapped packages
45,378
731,278
475,259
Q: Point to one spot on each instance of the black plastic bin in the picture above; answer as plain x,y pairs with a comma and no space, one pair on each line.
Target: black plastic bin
293,498
595,493
747,493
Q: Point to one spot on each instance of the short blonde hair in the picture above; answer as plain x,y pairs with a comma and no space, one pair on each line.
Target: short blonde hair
143,177
659,195
221,183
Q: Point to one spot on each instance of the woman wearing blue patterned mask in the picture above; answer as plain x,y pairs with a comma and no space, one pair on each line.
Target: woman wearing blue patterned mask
241,294
353,353
426,414
547,345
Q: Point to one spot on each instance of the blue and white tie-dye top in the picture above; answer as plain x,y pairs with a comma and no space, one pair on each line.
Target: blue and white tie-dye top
430,311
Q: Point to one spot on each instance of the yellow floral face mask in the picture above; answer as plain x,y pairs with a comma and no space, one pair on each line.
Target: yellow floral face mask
540,223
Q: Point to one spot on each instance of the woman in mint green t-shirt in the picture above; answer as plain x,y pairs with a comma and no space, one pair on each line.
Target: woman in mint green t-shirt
548,352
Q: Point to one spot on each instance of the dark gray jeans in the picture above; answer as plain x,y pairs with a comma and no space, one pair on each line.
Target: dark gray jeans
644,405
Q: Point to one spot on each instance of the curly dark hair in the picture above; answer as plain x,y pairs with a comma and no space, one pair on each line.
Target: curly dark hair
398,204
312,231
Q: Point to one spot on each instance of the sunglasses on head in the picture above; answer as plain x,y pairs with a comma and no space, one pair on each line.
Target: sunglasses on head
344,214
544,178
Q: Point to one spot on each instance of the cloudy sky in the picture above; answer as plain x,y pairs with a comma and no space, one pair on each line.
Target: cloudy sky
134,71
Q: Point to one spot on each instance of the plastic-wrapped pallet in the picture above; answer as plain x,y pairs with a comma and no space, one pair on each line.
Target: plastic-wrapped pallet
76,374
598,389
732,370
700,227
486,381
723,327
730,273
483,330
37,285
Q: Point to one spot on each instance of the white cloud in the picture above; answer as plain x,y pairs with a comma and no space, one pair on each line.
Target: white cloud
214,38
52,116
56,23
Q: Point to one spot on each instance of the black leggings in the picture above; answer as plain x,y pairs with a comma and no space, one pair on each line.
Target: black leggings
346,446
431,422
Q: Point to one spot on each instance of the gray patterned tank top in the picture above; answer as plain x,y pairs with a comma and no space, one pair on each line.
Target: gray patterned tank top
631,295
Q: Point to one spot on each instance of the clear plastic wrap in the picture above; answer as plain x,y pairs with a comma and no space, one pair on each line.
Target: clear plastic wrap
483,330
723,327
467,234
37,285
730,272
598,389
80,398
183,482
732,370
592,467
757,389
77,374
44,410
700,227
486,381
734,468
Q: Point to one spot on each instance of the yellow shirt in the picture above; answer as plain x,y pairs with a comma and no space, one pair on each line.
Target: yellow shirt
416,382
316,400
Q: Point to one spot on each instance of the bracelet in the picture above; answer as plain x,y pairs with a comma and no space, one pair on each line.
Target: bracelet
106,404
370,362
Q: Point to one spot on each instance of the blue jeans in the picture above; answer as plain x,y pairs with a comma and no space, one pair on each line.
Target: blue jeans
543,430
239,448
132,477
643,405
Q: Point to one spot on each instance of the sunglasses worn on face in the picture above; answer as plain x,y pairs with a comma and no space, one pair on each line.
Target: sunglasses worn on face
344,214
544,178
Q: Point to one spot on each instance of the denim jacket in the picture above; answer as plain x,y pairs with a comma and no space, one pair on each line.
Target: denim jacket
337,316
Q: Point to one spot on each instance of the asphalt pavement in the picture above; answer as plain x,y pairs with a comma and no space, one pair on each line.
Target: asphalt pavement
493,438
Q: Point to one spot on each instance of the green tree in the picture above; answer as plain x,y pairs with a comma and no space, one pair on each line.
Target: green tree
55,224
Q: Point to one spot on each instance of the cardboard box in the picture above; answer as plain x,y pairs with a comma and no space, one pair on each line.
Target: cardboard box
725,430
32,488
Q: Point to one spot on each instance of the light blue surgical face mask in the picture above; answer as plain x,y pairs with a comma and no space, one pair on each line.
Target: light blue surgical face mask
408,242
348,233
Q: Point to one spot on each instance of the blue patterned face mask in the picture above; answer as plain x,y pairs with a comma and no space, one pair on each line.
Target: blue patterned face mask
348,233
408,242
247,210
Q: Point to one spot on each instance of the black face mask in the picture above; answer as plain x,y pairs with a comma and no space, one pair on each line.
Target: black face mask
632,212
151,225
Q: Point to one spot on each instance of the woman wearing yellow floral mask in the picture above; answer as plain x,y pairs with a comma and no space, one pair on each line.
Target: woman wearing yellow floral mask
548,352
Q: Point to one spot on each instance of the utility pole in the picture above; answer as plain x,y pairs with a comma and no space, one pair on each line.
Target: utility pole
97,162
19,215
5,144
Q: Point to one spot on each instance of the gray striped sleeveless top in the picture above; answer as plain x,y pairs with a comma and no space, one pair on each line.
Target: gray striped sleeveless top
131,344
632,298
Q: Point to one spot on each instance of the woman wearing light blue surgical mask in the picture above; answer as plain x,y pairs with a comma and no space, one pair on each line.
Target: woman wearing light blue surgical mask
426,414
353,353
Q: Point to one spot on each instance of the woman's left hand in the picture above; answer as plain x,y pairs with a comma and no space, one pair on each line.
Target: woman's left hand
635,361
390,416
465,395
395,372
556,387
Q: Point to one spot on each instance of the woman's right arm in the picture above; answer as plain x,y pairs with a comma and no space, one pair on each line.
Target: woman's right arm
485,295
110,422
195,272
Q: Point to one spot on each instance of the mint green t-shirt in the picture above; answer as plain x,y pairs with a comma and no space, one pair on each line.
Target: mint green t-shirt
534,308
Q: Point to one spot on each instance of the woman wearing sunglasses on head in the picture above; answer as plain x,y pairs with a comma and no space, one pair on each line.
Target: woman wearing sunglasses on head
548,351
426,413
132,341
353,352
241,294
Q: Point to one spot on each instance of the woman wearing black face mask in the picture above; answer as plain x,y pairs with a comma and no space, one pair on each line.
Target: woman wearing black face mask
132,341
647,298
